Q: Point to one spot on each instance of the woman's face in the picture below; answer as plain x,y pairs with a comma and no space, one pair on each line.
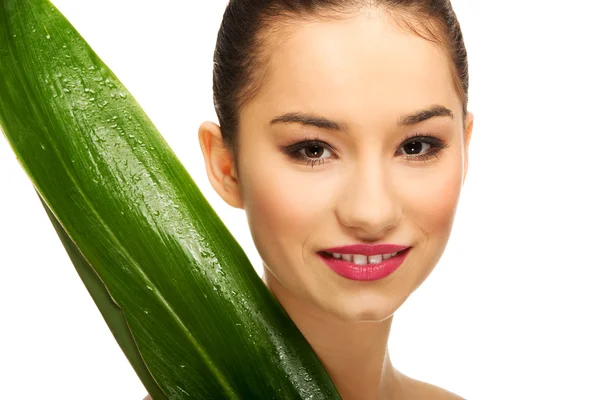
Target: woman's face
366,182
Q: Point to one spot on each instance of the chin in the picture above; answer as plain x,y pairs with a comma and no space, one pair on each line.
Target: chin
365,308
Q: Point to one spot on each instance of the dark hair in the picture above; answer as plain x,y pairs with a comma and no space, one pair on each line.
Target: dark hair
240,55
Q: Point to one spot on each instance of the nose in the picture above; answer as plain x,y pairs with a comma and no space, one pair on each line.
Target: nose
368,204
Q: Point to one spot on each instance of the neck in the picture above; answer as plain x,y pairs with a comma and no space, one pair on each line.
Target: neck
354,354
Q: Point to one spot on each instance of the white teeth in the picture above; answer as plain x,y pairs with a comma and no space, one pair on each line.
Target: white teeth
375,259
359,259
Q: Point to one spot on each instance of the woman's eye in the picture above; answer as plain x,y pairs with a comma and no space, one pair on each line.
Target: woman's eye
309,152
422,147
415,147
314,151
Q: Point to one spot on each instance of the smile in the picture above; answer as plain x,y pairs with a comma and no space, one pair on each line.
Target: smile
361,259
360,267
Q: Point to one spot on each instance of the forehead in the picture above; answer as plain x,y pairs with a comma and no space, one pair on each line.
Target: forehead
359,68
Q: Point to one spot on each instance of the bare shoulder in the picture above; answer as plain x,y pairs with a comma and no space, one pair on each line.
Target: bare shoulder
410,388
147,398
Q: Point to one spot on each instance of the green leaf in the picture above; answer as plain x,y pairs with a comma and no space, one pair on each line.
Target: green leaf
111,313
204,323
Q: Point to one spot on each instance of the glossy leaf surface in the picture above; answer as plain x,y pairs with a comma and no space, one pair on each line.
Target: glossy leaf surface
205,324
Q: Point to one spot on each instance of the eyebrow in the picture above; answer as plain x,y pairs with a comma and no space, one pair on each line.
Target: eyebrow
324,123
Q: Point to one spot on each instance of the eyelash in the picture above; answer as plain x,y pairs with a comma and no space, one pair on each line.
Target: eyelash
294,150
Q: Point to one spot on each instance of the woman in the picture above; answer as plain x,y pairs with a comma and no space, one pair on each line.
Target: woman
344,136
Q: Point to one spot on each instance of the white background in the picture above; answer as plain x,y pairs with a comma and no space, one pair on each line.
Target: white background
512,309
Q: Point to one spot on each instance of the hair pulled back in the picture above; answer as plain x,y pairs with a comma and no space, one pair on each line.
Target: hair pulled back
240,55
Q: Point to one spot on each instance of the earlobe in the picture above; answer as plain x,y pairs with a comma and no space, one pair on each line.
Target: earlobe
220,167
467,140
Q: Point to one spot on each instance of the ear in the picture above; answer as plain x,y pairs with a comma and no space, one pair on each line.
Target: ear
219,163
467,140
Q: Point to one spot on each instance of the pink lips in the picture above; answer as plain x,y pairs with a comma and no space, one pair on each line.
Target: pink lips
367,249
366,272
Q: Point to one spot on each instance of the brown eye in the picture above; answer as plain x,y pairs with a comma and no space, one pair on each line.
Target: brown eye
310,151
415,147
421,147
314,151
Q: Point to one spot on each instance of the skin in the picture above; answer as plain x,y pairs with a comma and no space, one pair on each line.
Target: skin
366,72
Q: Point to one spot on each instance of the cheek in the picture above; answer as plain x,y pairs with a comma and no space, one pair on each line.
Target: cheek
283,209
429,209
431,203
276,199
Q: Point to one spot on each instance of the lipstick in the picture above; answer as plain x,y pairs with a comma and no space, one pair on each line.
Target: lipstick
372,262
